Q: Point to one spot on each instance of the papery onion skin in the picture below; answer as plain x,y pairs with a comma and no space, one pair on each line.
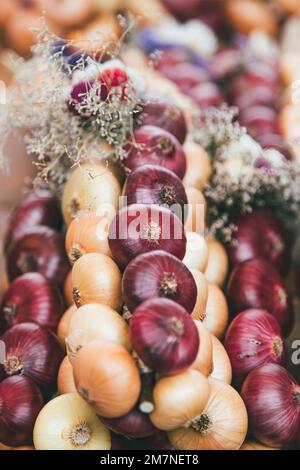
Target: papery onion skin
218,264
31,298
68,290
158,147
222,369
221,426
199,167
158,274
256,284
272,398
216,313
261,235
158,441
202,295
254,338
204,359
20,403
138,229
253,445
196,256
40,249
195,221
133,425
65,380
106,376
164,336
64,324
34,352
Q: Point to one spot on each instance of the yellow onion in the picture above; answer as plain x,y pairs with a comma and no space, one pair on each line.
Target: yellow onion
65,380
69,423
249,15
204,360
199,168
217,267
290,6
253,445
202,295
93,322
195,221
196,255
64,324
222,369
68,293
97,279
179,399
216,314
222,425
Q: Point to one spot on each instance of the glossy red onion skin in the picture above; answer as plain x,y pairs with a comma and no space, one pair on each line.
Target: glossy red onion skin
145,275
256,284
20,403
134,425
31,298
164,336
42,250
261,235
167,233
183,10
254,338
186,76
38,208
272,399
152,184
159,147
39,354
158,441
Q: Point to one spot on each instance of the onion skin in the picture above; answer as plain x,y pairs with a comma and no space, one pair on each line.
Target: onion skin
261,235
204,359
20,403
133,425
256,284
222,369
199,168
254,338
41,250
68,290
216,313
218,264
252,445
195,221
64,324
138,229
196,256
272,398
164,336
159,147
31,298
101,371
34,352
148,276
65,380
202,295
158,441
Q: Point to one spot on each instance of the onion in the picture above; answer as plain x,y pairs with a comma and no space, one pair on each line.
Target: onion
106,376
216,313
138,229
96,278
204,359
31,298
33,352
199,168
156,146
20,403
158,274
254,338
38,208
65,380
272,398
89,234
164,336
247,15
133,425
152,184
93,322
68,290
222,425
69,423
217,267
158,441
202,295
179,399
196,255
91,188
256,284
184,11
64,14
196,211
40,249
261,235
24,448
253,445
222,369
64,324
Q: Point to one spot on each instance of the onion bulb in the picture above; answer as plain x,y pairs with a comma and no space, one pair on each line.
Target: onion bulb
217,267
222,369
222,425
91,188
202,295
216,313
195,221
69,423
65,380
196,256
68,290
179,399
107,377
96,278
133,425
199,167
93,322
204,360
253,445
64,324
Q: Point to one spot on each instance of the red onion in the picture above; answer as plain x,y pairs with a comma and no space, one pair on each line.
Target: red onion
225,62
254,338
261,235
164,336
134,425
277,142
186,76
42,250
31,298
139,228
163,114
206,95
183,10
20,403
152,184
158,441
272,398
34,352
256,284
156,146
38,208
158,274
259,120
